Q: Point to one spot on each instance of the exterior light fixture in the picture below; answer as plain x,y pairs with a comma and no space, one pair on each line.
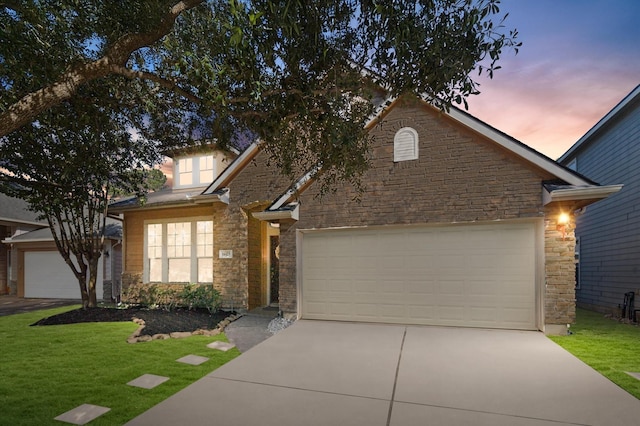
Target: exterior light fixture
563,221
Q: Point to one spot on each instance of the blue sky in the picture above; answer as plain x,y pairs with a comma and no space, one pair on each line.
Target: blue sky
578,60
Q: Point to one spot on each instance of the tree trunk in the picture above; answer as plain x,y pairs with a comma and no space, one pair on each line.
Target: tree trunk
91,285
83,291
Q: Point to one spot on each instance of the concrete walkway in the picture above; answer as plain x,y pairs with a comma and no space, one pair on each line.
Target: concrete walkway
250,329
332,373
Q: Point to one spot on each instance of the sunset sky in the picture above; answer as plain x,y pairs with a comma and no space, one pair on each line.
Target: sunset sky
578,60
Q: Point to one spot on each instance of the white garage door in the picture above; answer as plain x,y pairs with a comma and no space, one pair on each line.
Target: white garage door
46,275
471,275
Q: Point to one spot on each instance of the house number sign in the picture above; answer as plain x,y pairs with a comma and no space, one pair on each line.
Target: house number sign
225,254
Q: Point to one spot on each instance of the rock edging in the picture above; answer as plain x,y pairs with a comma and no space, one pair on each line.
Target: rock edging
137,337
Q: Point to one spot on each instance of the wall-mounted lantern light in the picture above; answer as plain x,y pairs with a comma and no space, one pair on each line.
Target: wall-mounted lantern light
563,222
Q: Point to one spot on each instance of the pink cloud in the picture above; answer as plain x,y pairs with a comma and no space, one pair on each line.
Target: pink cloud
550,104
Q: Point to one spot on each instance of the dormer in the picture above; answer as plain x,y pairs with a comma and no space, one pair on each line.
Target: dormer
198,168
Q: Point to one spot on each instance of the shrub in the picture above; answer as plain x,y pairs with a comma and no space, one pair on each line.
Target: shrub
196,296
169,297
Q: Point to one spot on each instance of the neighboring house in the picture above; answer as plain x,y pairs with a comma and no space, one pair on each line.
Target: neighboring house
15,219
608,232
35,269
458,224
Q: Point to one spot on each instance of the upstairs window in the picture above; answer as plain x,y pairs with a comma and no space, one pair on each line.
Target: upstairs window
405,145
195,171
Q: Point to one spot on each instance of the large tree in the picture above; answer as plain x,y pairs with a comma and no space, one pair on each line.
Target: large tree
67,164
288,71
92,90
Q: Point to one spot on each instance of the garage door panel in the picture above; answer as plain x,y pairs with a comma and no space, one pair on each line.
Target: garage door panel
46,275
480,275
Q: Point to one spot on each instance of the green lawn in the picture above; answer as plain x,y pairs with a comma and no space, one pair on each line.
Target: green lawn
608,346
48,370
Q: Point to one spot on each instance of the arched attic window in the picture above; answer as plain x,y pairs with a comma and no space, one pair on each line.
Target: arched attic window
405,145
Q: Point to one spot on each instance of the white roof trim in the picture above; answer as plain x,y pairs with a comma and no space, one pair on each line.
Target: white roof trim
293,189
23,222
373,118
500,138
250,151
275,215
206,198
33,240
536,158
603,121
582,193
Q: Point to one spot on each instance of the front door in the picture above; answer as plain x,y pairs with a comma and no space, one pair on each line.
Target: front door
273,284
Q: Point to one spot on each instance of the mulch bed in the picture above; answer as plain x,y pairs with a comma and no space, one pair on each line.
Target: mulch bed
157,321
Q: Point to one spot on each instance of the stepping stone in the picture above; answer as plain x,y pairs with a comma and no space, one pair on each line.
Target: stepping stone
221,346
83,414
635,375
148,381
193,359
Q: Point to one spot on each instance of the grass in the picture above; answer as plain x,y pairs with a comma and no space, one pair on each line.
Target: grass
608,346
46,371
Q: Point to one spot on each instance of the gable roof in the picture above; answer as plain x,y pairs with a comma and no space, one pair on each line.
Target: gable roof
619,109
573,181
112,231
16,211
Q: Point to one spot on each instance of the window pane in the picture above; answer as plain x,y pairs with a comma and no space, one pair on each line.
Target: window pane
154,240
155,270
205,270
205,238
185,171
206,169
179,239
180,270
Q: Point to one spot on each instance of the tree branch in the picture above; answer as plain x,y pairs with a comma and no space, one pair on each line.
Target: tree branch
31,105
167,84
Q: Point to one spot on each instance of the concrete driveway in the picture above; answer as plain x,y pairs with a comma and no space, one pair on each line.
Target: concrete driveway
333,373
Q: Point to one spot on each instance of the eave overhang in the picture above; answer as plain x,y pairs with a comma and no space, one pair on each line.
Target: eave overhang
577,196
288,212
220,196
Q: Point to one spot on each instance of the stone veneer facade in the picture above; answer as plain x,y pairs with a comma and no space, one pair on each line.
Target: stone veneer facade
459,177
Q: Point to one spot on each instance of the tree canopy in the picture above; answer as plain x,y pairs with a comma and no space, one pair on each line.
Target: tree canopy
297,74
67,164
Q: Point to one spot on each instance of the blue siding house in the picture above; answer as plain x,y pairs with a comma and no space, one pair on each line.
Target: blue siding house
608,232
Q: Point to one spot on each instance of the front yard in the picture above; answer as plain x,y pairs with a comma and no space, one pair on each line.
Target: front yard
46,371
608,346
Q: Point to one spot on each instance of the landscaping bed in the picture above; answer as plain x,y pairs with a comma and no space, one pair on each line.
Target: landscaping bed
157,321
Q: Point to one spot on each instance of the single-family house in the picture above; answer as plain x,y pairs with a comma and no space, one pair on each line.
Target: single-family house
458,224
31,265
15,219
608,232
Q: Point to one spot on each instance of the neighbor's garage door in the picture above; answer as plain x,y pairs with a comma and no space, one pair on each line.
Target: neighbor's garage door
471,275
46,275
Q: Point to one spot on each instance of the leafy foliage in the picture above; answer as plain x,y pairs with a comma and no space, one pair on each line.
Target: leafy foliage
92,92
301,75
66,164
169,297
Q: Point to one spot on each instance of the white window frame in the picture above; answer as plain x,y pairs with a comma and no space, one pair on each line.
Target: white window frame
195,172
577,263
405,145
193,258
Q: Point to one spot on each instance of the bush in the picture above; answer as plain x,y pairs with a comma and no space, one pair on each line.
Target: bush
196,296
170,297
